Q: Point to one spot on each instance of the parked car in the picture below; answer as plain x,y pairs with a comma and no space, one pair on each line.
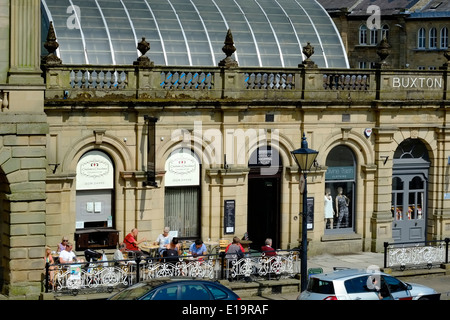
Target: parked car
352,284
168,289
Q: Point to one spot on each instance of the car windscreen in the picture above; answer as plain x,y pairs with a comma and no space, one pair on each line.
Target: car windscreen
317,285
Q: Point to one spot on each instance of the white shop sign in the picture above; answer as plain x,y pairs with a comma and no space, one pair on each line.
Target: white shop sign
182,169
95,171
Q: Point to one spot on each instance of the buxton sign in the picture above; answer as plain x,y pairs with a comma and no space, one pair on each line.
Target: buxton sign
417,82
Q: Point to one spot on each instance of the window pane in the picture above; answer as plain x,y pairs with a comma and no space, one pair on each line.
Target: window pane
168,293
181,210
217,293
194,292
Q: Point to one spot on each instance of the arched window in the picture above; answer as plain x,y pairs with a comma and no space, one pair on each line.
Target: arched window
433,38
95,202
373,36
444,38
362,34
95,186
340,183
421,38
182,193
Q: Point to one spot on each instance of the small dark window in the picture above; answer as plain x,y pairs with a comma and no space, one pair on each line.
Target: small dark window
357,285
320,286
217,293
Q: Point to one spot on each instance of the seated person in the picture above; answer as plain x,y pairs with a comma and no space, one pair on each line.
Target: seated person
163,240
172,252
267,249
198,248
118,255
237,241
132,244
62,244
234,250
68,256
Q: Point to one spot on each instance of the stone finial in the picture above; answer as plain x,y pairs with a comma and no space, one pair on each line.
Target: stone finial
228,49
308,51
51,45
383,51
143,61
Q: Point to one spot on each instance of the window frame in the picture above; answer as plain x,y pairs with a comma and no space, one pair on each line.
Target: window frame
362,34
432,38
421,38
444,38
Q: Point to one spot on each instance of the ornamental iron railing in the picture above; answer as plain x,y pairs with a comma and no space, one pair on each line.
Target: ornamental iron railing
416,254
106,276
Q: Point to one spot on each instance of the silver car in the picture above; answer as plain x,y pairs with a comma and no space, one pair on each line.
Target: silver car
352,284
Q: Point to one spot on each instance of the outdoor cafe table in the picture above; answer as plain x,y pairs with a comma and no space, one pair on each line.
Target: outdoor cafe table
211,244
151,248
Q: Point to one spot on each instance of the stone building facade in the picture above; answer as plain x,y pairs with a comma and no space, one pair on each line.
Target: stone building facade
417,31
92,151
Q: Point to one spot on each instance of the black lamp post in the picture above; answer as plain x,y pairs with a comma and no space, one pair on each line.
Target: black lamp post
304,157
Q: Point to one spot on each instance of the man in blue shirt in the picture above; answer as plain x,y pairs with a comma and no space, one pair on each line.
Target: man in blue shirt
197,248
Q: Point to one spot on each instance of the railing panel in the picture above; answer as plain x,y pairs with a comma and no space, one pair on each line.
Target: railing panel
269,81
98,79
414,255
109,275
181,80
345,81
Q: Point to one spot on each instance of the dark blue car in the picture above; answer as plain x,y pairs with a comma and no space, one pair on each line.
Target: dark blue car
167,289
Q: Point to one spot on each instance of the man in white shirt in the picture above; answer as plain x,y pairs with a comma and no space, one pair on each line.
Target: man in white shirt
163,240
67,255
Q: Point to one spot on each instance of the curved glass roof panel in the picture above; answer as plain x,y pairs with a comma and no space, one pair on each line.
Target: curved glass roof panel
266,33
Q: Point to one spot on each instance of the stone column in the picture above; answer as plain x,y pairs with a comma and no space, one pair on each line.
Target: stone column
25,26
381,220
23,159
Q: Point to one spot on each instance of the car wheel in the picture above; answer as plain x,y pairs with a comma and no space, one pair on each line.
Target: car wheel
424,298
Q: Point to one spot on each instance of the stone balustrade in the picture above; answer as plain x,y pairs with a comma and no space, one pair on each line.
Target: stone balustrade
288,84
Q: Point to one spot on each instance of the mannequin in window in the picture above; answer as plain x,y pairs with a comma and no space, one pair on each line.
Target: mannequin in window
329,212
342,203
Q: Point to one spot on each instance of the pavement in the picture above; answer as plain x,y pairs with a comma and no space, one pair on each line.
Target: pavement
435,278
360,260
327,262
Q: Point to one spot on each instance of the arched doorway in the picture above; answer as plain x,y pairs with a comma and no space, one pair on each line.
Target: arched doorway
409,191
95,202
264,197
340,184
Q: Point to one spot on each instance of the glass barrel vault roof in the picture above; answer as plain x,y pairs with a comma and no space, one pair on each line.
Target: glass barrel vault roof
266,33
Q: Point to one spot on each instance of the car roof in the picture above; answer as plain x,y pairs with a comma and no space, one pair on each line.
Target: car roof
342,274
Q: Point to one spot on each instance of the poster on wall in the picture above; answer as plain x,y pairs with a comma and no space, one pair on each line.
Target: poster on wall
182,169
95,171
310,213
229,216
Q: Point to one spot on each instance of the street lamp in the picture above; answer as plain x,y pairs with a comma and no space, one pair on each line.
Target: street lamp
304,157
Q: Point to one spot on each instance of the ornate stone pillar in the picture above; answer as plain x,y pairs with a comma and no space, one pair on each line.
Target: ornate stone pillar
381,221
25,26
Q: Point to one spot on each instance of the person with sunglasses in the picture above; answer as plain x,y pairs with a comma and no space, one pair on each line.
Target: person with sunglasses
62,245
